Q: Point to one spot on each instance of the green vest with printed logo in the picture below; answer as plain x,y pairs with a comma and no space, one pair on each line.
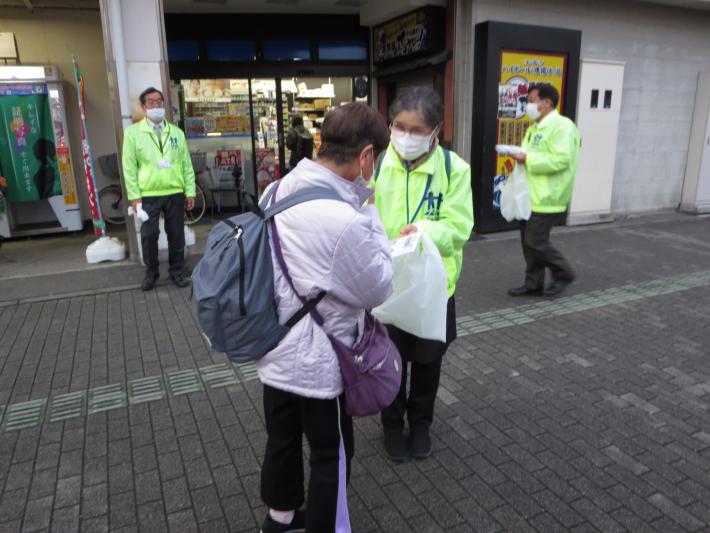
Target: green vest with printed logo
156,167
552,146
436,197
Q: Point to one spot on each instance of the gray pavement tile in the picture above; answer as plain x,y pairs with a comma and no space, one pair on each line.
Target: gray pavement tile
182,522
206,504
68,492
98,524
122,510
94,501
65,519
238,514
148,487
596,516
38,514
198,474
176,495
675,512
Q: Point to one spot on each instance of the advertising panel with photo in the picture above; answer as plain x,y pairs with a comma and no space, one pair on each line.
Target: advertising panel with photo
519,69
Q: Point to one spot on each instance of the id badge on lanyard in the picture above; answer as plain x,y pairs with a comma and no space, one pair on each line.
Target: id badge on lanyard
163,162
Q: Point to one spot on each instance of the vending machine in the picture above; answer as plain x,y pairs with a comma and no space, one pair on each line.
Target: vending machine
39,193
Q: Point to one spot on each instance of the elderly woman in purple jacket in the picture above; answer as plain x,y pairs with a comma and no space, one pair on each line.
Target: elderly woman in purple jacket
340,248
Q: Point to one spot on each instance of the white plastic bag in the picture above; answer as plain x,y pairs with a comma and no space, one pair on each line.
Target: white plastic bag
418,303
515,202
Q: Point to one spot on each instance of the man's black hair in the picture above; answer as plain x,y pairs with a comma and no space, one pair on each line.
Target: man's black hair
546,91
148,91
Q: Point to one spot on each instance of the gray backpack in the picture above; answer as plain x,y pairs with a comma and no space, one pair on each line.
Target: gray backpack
233,284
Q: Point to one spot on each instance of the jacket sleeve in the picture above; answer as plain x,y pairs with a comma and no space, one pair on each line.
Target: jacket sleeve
129,160
188,172
451,232
361,270
557,154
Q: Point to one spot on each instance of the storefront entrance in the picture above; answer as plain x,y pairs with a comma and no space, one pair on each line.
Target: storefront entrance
252,106
241,131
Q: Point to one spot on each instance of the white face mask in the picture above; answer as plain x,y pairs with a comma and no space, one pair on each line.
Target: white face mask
156,114
532,110
410,146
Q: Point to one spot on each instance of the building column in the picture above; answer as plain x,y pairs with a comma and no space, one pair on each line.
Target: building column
696,185
136,58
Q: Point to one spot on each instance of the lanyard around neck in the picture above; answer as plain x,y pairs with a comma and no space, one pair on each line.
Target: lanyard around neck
159,145
421,202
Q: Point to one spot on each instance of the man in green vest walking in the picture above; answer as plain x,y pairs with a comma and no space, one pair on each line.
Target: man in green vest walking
551,145
158,173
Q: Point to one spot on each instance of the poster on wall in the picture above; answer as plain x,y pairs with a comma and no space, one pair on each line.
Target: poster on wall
207,90
519,69
226,162
27,147
266,168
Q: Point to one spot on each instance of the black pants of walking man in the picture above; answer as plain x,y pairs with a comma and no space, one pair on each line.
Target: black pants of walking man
173,209
327,428
539,252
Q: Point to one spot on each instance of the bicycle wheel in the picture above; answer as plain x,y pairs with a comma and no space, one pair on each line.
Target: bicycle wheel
111,202
196,213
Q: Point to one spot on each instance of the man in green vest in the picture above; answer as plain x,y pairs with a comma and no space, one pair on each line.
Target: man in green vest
550,149
158,173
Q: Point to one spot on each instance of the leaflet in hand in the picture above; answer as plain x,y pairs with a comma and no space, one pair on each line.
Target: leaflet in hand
509,149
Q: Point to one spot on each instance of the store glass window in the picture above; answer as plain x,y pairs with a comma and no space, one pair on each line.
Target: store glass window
183,51
231,51
287,50
342,50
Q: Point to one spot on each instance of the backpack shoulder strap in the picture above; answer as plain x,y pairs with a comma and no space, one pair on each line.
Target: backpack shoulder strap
447,164
304,195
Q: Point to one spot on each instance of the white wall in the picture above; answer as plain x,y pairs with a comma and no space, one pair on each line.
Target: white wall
664,49
51,37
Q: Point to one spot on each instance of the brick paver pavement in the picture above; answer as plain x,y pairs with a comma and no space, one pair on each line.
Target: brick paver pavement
589,412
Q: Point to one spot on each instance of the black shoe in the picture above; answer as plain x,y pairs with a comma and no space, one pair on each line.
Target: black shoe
524,291
149,283
395,445
180,280
420,443
297,525
556,287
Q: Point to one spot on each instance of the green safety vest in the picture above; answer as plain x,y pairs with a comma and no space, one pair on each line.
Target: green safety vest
436,196
552,146
143,153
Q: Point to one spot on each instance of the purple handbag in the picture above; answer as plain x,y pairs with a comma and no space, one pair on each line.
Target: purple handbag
372,369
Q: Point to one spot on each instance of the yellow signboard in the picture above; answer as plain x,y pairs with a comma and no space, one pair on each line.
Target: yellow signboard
519,69
66,175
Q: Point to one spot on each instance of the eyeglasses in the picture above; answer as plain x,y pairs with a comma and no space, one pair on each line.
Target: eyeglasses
154,102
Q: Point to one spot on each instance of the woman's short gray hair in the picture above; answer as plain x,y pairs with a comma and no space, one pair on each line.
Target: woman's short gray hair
423,100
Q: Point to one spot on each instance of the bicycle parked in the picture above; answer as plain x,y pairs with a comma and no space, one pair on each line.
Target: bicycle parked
111,196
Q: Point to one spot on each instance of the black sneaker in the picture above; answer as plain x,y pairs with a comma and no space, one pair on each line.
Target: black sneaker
524,291
395,445
180,280
149,283
420,443
297,525
556,287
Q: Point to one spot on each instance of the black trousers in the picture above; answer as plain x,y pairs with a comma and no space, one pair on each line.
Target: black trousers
421,358
539,252
173,209
330,436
